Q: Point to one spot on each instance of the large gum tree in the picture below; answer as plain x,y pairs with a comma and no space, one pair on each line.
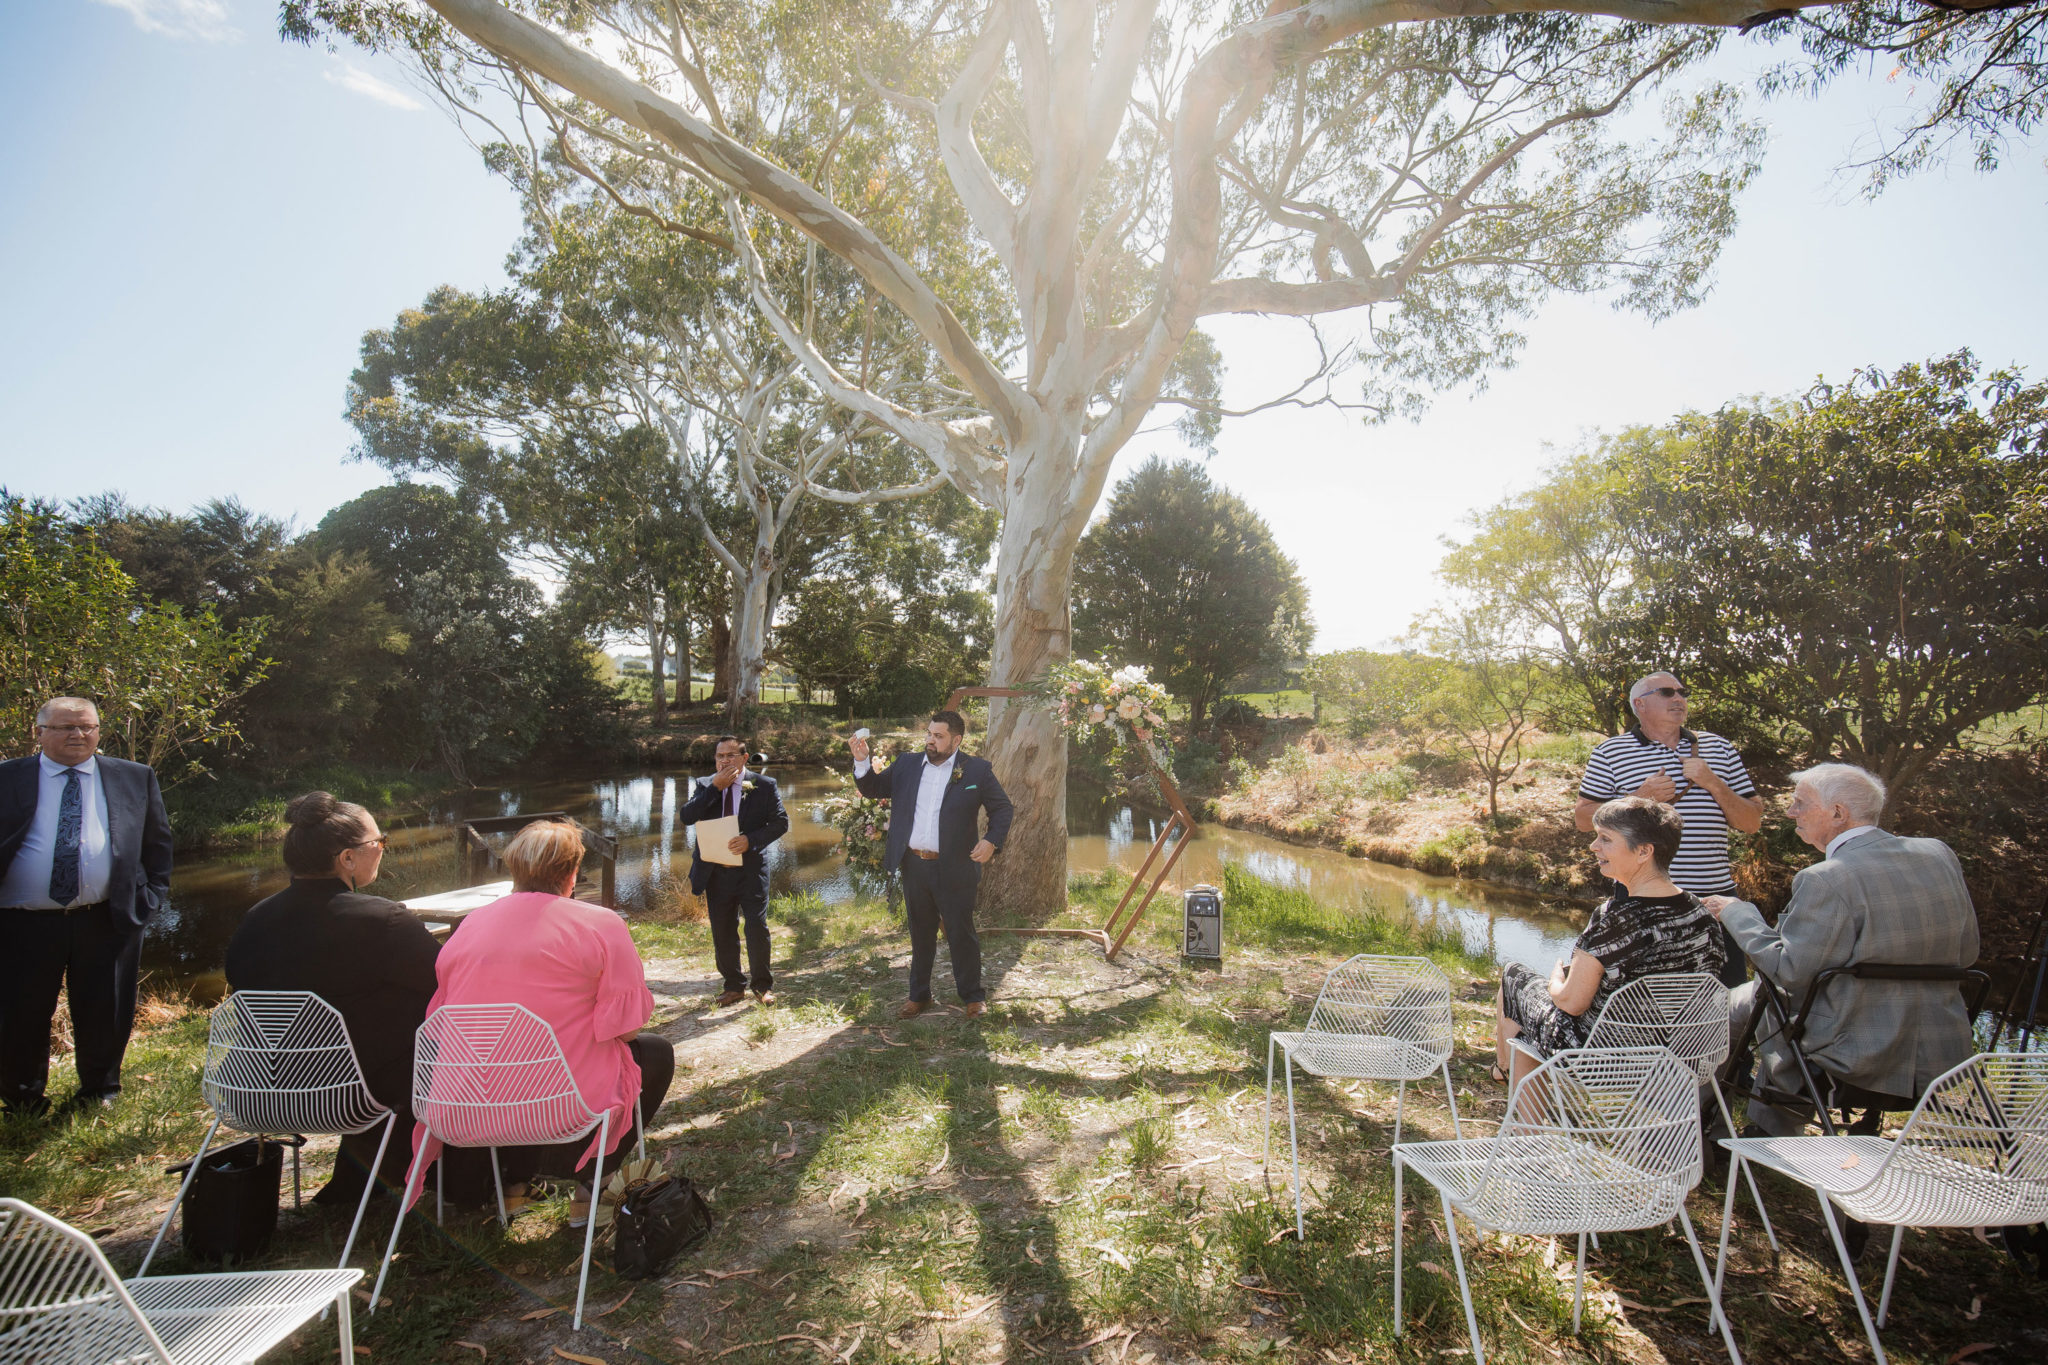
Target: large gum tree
1129,169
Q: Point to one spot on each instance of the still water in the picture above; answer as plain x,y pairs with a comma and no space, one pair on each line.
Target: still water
210,893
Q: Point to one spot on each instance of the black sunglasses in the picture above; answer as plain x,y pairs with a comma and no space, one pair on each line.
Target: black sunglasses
1665,692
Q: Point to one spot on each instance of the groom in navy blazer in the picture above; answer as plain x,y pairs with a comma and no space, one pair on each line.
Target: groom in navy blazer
736,893
935,805
85,861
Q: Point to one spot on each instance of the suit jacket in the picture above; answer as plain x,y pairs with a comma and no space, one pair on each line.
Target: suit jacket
370,958
762,820
1880,899
138,831
971,789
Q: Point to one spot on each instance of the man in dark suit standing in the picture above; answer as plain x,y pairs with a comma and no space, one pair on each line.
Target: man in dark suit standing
935,837
742,891
85,860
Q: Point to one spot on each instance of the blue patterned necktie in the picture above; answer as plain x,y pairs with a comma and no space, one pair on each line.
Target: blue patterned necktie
64,862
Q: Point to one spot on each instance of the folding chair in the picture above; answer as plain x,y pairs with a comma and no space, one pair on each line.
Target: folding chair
1973,1154
1375,1019
61,1302
1594,1140
1825,1092
494,1076
2030,981
281,1062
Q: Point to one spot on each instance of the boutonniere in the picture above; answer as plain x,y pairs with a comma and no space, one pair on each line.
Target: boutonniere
746,786
958,773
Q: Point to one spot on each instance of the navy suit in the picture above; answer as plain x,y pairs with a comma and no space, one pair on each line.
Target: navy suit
736,892
96,947
941,890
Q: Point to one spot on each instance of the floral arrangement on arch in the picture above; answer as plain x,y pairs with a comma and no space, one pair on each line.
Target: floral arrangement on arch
1092,703
863,825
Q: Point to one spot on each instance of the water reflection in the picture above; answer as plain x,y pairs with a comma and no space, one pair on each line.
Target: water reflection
210,894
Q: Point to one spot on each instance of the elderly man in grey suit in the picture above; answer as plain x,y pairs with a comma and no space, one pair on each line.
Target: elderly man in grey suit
1875,898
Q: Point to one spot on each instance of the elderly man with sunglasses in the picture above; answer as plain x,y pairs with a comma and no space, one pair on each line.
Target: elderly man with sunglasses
1695,771
85,860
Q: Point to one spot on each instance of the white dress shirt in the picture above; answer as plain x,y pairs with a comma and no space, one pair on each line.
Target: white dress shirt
27,883
1846,835
931,790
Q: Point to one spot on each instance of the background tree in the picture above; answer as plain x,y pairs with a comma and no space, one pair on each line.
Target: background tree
1487,697
1374,689
1554,567
1185,578
1128,169
72,623
1866,565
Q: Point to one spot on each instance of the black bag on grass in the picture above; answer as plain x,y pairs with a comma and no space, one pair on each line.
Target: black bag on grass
657,1221
230,1212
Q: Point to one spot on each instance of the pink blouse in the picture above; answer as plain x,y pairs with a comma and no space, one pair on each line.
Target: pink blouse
574,965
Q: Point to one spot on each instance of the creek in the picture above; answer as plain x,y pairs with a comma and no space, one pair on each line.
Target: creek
211,892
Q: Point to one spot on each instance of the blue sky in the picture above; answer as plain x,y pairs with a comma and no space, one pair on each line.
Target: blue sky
199,223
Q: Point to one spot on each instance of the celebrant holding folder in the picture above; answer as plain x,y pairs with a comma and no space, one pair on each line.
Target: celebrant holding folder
738,814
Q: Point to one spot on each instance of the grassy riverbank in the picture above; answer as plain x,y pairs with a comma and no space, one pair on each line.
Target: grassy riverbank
1076,1175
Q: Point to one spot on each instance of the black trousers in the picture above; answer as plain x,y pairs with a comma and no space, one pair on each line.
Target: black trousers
94,957
735,894
657,1060
938,895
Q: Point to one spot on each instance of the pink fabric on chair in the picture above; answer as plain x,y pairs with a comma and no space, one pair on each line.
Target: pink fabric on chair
575,966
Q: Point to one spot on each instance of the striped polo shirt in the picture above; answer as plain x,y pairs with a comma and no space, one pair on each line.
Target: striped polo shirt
1620,765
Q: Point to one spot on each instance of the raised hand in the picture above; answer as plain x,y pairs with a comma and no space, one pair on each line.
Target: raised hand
859,747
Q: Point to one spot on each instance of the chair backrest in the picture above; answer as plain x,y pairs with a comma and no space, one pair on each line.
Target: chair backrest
495,1076
61,1301
1684,1011
282,1062
1982,1123
1406,998
1619,1127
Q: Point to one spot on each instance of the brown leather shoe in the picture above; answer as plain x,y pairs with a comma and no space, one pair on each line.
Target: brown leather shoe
765,997
973,1009
910,1009
731,998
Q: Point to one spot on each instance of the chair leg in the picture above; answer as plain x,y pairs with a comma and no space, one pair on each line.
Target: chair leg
1849,1271
640,1127
1715,1316
415,1175
604,1130
1748,1173
1400,1103
441,1189
297,1202
1579,1286
498,1184
1269,1111
390,1122
1735,1164
1464,1285
1397,1243
191,1172
1451,1098
1891,1268
345,1325
1293,1143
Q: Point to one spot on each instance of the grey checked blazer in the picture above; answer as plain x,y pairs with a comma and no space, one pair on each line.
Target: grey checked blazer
1879,899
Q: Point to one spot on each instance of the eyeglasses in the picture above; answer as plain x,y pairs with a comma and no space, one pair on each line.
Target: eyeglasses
377,843
71,729
1664,692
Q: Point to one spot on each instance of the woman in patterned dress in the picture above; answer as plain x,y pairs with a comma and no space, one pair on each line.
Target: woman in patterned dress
1653,930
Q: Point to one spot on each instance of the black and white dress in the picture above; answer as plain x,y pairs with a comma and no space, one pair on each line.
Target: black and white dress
1630,937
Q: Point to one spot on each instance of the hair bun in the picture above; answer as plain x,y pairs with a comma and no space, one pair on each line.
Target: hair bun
310,809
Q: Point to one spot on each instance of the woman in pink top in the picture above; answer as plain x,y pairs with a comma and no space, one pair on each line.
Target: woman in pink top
575,966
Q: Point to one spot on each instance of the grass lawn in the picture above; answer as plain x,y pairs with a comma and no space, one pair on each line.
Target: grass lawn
1076,1175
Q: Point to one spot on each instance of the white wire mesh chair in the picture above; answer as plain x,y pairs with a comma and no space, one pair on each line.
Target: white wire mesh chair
282,1062
1375,1019
1974,1153
1595,1140
495,1076
1688,1013
61,1302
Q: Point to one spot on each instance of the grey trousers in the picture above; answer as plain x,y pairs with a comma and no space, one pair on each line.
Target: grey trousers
1774,1120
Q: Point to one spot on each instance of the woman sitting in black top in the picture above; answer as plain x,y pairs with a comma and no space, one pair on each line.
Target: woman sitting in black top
370,958
1654,930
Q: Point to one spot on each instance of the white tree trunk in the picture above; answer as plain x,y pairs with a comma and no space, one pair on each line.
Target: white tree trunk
750,621
1034,576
